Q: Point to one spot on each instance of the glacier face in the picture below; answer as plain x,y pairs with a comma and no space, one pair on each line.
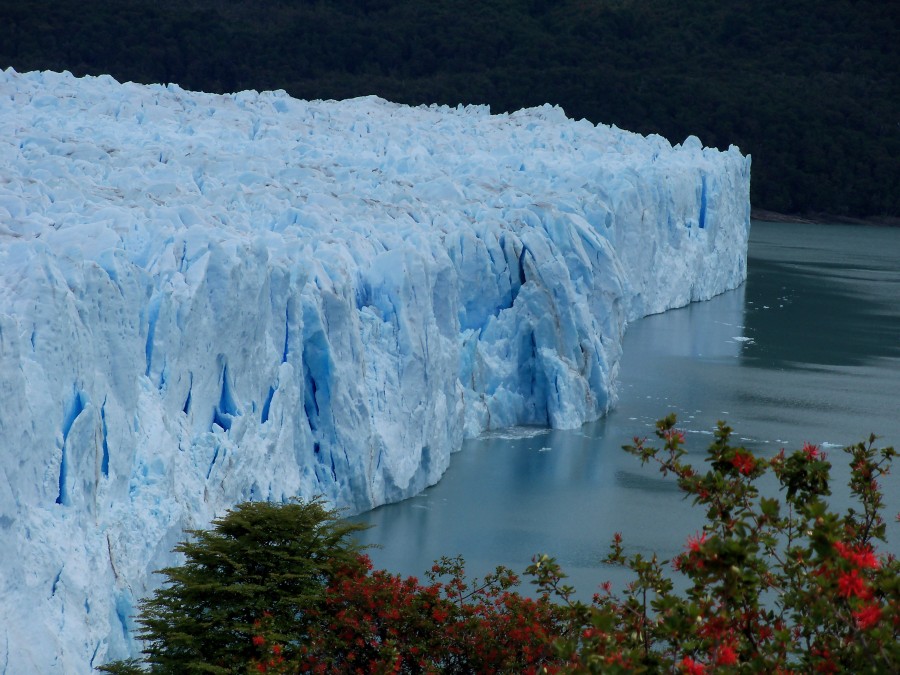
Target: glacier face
208,299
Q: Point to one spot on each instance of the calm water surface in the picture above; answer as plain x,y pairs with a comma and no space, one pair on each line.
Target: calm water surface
807,350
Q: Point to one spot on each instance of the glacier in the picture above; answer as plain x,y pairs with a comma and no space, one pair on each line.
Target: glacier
206,299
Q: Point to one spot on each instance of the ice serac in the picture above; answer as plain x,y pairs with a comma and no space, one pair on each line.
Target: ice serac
208,299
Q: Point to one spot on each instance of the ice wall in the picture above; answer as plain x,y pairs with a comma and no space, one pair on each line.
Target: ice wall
208,299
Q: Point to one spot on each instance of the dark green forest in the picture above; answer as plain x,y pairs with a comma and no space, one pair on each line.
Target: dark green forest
810,88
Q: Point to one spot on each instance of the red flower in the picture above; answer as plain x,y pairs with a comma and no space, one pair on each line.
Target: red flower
862,556
691,667
694,543
867,617
851,585
843,550
674,434
867,560
259,640
812,452
743,463
726,656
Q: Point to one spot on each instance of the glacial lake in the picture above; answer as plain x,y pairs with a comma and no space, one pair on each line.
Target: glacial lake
807,350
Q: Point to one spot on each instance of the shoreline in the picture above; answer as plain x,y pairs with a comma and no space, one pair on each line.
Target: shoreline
813,218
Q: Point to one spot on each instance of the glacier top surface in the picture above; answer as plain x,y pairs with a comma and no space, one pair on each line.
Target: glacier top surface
136,159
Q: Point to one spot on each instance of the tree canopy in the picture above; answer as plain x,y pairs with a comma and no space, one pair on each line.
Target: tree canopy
259,560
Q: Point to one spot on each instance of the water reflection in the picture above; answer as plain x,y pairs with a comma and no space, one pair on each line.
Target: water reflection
831,300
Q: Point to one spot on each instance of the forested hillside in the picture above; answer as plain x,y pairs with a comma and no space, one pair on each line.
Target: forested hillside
811,88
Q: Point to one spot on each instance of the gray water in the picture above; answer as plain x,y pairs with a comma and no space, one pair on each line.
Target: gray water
807,350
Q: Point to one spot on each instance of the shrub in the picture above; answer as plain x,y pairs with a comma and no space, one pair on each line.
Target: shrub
376,622
774,583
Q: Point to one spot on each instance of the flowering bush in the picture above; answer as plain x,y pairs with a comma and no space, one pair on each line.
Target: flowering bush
775,583
376,622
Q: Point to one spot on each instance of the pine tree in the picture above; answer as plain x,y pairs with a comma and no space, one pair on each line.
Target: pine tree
259,560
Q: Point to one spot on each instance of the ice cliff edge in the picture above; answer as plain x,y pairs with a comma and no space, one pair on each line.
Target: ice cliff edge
208,299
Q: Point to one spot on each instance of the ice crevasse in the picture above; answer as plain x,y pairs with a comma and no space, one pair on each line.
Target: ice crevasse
208,299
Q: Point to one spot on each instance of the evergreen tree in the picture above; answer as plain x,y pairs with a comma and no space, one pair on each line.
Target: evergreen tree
259,560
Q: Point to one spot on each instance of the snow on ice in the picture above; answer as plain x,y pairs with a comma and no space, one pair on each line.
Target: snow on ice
207,299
